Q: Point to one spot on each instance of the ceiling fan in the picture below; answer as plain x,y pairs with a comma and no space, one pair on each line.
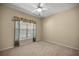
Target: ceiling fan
39,8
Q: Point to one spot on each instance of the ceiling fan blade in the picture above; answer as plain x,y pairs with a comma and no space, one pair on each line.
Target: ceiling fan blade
44,9
41,4
34,6
34,10
38,6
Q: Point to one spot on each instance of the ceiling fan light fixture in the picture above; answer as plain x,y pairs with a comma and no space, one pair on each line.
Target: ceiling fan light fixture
39,10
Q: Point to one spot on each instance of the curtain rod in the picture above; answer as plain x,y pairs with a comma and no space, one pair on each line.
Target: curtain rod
16,18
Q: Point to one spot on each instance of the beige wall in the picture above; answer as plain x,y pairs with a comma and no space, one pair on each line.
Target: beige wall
0,30
7,26
63,28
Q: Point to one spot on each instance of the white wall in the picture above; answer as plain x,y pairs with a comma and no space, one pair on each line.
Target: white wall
63,28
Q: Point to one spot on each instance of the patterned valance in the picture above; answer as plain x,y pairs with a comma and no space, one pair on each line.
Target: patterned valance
15,18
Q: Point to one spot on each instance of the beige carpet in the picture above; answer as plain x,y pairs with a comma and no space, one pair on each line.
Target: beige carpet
40,48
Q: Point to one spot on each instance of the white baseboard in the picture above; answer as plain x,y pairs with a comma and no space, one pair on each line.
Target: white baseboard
3,49
62,45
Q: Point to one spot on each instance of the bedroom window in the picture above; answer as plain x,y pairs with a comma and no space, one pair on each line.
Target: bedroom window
27,30
24,31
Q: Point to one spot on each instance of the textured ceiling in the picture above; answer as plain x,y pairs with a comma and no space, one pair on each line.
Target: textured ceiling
52,8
